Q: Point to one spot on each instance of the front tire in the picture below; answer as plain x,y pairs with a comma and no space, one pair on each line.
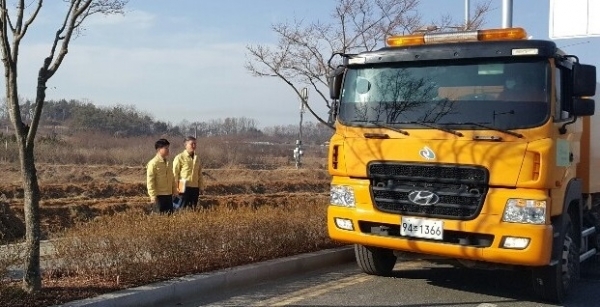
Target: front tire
375,260
551,283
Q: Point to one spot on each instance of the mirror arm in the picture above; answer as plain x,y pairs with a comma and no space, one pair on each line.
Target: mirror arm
563,128
341,54
572,56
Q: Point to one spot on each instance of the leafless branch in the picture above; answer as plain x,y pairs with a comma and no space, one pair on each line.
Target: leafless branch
6,48
300,56
320,92
476,21
10,23
76,9
31,19
20,13
79,10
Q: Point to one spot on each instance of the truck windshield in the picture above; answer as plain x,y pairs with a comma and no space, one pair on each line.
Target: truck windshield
497,93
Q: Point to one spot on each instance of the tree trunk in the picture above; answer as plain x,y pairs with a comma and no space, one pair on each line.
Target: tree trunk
32,280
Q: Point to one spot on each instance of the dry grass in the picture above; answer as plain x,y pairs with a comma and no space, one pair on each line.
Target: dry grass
139,246
11,226
134,248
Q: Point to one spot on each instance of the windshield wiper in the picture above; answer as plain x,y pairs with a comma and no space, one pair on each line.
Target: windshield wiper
483,125
384,126
430,125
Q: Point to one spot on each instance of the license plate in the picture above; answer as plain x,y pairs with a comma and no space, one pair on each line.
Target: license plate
422,228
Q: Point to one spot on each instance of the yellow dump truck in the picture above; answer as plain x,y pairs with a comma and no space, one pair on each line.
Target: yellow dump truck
480,146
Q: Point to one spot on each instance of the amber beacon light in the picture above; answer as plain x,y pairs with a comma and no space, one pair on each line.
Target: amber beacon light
454,37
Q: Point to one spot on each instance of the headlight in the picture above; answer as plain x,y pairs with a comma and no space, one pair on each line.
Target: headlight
527,211
342,195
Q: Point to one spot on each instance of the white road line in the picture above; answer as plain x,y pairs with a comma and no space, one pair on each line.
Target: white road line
317,290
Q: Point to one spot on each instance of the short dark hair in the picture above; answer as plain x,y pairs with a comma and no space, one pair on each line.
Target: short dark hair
189,138
161,143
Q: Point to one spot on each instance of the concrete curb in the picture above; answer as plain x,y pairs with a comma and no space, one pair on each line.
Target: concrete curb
194,285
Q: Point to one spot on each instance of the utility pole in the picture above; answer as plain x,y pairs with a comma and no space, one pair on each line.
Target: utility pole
507,12
302,102
298,150
467,14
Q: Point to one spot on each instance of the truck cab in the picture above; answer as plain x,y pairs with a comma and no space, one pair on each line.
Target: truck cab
477,146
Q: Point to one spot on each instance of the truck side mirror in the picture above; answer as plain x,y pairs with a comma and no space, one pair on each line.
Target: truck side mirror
584,80
335,83
583,106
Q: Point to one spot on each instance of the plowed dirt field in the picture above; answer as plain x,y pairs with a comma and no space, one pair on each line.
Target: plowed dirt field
78,193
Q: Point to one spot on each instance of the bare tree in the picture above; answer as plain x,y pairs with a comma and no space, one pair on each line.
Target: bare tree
476,20
300,57
13,26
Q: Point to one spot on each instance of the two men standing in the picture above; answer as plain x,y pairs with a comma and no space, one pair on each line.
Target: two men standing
183,177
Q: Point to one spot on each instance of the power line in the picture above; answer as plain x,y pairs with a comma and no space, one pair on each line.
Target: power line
575,44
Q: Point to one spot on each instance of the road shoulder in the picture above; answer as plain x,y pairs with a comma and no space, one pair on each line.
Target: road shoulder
222,280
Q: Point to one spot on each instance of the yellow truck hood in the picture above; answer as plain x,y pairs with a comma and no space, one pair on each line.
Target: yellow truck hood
502,159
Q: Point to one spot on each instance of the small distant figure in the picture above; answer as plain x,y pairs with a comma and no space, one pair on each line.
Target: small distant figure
298,153
162,187
187,171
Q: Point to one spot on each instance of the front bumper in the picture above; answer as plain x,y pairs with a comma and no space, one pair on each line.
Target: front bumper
480,239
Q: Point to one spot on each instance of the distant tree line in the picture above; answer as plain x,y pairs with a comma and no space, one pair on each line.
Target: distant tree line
72,116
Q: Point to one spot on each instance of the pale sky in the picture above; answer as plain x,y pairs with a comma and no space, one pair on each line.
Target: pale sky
184,59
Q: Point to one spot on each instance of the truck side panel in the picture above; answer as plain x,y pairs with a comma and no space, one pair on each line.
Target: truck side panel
589,166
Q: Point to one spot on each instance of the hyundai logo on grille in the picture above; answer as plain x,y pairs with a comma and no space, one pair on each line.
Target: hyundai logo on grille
427,153
423,198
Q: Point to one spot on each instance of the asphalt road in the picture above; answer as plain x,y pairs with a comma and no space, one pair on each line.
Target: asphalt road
414,283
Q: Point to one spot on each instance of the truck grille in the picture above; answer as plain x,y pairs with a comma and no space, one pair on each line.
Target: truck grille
425,172
430,190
